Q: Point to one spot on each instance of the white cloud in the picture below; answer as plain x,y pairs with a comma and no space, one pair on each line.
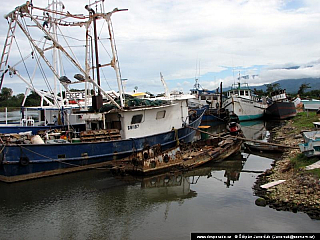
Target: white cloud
171,36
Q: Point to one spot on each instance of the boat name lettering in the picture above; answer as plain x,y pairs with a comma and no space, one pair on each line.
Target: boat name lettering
75,95
135,126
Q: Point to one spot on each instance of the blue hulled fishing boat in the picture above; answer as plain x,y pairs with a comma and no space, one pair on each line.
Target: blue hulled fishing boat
116,125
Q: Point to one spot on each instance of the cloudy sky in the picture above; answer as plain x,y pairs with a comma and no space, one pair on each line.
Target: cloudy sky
212,40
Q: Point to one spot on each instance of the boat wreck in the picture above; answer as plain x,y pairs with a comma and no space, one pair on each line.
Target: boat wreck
184,156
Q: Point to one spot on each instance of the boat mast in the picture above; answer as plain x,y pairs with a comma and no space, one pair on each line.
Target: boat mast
94,18
56,61
114,62
58,17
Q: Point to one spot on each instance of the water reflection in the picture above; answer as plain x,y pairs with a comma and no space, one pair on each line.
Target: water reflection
262,131
168,186
177,185
254,129
74,205
232,168
216,197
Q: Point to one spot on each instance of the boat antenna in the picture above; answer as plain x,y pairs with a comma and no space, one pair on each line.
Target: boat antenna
167,93
197,76
234,82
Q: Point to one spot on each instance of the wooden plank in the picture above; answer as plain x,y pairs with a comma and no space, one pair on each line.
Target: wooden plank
313,166
271,184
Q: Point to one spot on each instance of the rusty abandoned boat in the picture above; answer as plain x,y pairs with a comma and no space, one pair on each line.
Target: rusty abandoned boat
184,156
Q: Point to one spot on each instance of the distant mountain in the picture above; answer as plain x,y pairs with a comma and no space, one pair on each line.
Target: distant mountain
291,85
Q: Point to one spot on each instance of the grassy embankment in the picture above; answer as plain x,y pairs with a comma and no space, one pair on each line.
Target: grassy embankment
303,121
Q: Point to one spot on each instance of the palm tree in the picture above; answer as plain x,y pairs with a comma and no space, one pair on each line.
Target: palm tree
303,87
272,87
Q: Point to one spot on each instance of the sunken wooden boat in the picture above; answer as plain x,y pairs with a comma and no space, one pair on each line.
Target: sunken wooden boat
211,150
255,146
184,156
264,145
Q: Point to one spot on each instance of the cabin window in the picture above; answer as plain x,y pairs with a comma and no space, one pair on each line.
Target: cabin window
247,93
241,93
203,97
136,119
161,114
215,97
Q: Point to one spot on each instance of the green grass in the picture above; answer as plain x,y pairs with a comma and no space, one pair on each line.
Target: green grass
301,161
304,120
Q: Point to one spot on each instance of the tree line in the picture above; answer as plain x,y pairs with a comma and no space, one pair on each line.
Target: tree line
302,92
7,99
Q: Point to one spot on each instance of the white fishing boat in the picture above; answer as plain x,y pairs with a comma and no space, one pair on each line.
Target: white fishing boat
116,125
242,102
211,100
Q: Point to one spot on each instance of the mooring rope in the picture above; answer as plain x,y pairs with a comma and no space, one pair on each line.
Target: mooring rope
62,161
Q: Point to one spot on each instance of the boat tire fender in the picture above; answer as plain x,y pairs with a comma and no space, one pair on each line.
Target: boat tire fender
1,158
24,161
166,158
153,164
145,155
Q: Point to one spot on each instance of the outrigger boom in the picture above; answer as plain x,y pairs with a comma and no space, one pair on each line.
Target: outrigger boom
25,10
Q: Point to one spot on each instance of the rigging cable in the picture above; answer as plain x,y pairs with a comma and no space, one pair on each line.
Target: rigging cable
23,61
38,62
68,46
115,47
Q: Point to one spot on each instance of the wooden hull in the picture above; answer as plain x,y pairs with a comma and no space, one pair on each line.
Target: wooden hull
212,151
183,157
263,147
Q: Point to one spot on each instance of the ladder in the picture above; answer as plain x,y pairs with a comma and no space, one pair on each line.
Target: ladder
6,49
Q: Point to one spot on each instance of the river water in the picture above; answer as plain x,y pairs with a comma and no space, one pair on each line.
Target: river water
96,205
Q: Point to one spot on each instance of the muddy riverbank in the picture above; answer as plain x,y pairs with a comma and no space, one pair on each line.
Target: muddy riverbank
301,189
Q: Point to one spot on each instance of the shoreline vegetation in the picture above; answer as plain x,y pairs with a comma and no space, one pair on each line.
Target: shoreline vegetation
301,189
